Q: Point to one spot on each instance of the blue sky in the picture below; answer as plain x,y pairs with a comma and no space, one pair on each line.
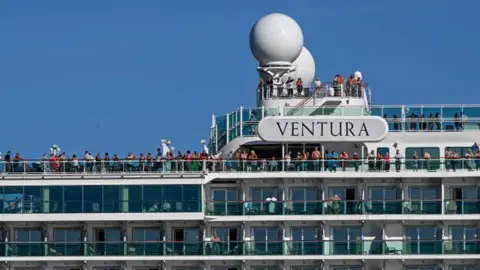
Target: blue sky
119,76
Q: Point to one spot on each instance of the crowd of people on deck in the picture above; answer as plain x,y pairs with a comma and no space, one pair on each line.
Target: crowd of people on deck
431,123
289,87
242,160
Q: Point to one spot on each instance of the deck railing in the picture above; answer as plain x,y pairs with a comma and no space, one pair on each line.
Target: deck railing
436,118
242,248
342,207
32,167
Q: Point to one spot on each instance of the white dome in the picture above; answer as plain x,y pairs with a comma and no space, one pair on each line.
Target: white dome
305,67
276,38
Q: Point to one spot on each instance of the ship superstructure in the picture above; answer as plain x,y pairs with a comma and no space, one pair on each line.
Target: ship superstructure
405,196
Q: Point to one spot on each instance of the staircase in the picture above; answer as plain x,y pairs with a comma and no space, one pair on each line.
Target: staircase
299,105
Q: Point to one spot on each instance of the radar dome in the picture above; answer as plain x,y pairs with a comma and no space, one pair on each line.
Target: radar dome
305,67
276,38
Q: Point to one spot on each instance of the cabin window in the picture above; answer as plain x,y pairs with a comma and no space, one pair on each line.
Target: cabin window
383,151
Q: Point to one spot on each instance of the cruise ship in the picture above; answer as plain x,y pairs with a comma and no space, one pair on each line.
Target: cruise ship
315,177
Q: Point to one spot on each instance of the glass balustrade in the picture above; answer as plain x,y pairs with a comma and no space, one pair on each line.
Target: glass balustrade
223,248
339,166
224,208
144,248
261,165
245,248
427,118
304,247
263,247
423,207
125,206
462,206
327,207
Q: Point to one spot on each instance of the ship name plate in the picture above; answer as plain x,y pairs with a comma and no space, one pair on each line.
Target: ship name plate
322,128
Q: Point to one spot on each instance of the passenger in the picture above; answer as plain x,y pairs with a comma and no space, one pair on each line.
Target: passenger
356,161
299,162
343,160
415,162
290,86
464,119
398,160
371,161
413,122
351,86
299,87
318,87
98,162
395,123
428,161
75,164
141,161
379,162
148,164
271,198
8,160
106,162
261,89
453,160
387,162
430,122
196,162
477,159
273,165
448,157
316,157
270,90
288,161
252,161
338,85
470,162
333,161
423,123
117,166
325,160
456,120
437,121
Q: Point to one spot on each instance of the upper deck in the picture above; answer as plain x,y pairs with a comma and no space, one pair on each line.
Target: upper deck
400,118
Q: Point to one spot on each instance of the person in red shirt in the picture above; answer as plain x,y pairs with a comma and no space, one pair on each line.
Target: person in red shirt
343,160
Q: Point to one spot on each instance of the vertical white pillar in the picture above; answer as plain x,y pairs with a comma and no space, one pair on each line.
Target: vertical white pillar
442,192
241,121
216,139
228,128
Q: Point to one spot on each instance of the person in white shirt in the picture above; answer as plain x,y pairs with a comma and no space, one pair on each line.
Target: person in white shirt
398,160
288,160
271,198
318,87
55,150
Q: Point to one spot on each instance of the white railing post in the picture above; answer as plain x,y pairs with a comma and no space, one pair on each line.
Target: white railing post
228,129
241,121
216,138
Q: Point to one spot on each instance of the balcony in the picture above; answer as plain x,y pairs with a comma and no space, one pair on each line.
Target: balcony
325,207
37,206
469,206
245,248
